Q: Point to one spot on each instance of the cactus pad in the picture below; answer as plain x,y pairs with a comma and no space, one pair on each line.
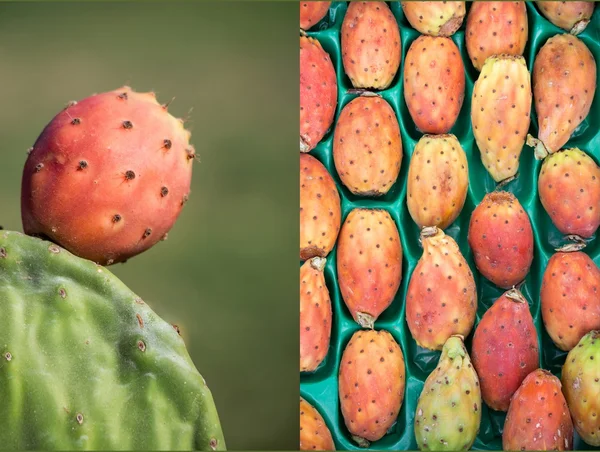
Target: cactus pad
86,364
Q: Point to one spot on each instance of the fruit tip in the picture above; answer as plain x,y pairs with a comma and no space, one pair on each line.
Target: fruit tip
365,320
318,263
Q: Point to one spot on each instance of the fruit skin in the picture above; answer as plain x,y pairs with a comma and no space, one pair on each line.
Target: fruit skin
314,433
569,189
442,298
569,298
369,263
372,368
434,18
312,12
367,148
315,315
580,376
318,93
370,39
451,393
108,176
501,238
438,179
320,211
564,83
500,108
83,352
538,417
505,349
495,28
570,16
434,83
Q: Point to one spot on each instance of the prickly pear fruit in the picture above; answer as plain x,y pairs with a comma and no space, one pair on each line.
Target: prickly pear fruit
448,413
570,16
500,109
434,18
312,12
564,83
538,417
569,297
370,40
315,315
82,351
494,28
569,188
320,211
505,348
314,433
318,93
501,238
369,263
442,299
438,178
108,176
434,83
580,376
371,384
367,148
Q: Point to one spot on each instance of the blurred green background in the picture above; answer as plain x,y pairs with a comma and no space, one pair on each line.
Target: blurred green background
225,275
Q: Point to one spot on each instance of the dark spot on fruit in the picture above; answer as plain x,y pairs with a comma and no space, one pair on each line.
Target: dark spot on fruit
129,175
39,167
141,345
164,191
122,96
76,121
83,164
167,144
127,124
116,218
147,232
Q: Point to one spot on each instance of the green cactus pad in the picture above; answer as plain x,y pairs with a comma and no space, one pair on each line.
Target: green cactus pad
86,364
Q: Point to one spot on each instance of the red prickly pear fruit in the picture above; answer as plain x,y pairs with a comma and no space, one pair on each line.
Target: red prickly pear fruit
570,16
441,300
371,385
314,433
505,348
501,238
318,93
569,188
312,12
569,298
538,417
495,28
564,83
438,179
580,380
108,176
367,148
434,18
315,315
500,108
369,263
370,40
434,83
320,211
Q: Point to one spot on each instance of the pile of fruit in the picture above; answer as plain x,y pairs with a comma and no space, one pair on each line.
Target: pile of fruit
84,362
449,204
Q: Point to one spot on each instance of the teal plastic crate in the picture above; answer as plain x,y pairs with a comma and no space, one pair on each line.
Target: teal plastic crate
320,388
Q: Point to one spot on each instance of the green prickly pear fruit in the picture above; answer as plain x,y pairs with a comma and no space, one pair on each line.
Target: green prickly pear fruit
86,364
449,408
581,387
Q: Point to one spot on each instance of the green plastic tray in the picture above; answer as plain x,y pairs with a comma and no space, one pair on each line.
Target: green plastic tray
320,388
